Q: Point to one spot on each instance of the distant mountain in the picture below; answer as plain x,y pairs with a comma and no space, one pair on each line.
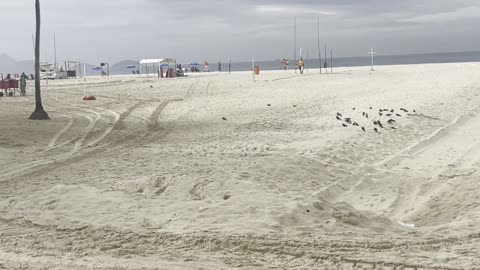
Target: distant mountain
6,59
120,68
10,65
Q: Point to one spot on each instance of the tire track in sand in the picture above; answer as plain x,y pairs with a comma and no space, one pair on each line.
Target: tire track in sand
355,253
57,136
127,141
79,143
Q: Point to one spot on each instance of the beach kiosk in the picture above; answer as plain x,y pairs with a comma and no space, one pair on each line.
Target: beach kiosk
152,67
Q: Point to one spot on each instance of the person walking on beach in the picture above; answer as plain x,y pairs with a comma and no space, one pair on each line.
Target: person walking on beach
205,67
219,66
301,65
23,84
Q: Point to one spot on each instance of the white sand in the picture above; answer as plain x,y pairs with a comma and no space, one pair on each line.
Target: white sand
153,178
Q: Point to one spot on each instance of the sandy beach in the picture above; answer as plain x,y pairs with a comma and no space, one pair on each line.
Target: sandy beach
215,171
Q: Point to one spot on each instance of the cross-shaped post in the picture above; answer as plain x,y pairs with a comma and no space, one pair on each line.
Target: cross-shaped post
372,53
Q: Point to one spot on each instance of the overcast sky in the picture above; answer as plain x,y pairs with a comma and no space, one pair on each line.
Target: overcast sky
113,30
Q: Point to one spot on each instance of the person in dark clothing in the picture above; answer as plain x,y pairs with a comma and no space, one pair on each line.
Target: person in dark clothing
23,84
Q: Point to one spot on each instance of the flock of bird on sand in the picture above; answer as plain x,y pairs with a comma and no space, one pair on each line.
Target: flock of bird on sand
378,124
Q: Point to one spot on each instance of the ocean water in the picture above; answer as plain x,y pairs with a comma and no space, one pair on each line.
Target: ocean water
457,57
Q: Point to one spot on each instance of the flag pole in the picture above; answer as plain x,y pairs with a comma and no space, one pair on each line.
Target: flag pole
372,53
306,63
331,61
84,80
253,69
55,52
326,59
295,42
319,50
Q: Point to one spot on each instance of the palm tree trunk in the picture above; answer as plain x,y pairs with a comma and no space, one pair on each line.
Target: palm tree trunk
39,113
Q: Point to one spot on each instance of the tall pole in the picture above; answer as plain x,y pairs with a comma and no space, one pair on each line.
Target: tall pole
48,66
306,63
55,52
229,65
39,113
372,53
326,57
319,50
84,80
295,43
253,69
33,42
331,61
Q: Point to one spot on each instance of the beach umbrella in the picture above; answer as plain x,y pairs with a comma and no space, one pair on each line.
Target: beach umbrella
97,68
194,64
131,67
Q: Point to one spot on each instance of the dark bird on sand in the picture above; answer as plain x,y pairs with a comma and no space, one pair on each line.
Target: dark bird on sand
353,109
392,111
371,108
224,118
363,113
339,114
151,86
344,125
376,130
414,111
375,123
366,115
269,105
338,118
381,114
355,124
393,128
380,124
294,106
391,121
399,115
363,128
388,115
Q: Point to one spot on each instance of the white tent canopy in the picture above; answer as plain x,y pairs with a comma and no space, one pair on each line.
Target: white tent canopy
151,61
152,66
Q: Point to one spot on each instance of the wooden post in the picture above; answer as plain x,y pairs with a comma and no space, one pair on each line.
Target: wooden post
319,50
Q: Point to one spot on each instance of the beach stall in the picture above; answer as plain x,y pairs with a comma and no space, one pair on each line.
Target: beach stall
152,67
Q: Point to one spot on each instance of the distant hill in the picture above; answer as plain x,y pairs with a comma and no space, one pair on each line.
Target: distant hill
120,68
10,65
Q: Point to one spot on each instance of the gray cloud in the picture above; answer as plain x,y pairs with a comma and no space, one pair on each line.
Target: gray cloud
93,31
